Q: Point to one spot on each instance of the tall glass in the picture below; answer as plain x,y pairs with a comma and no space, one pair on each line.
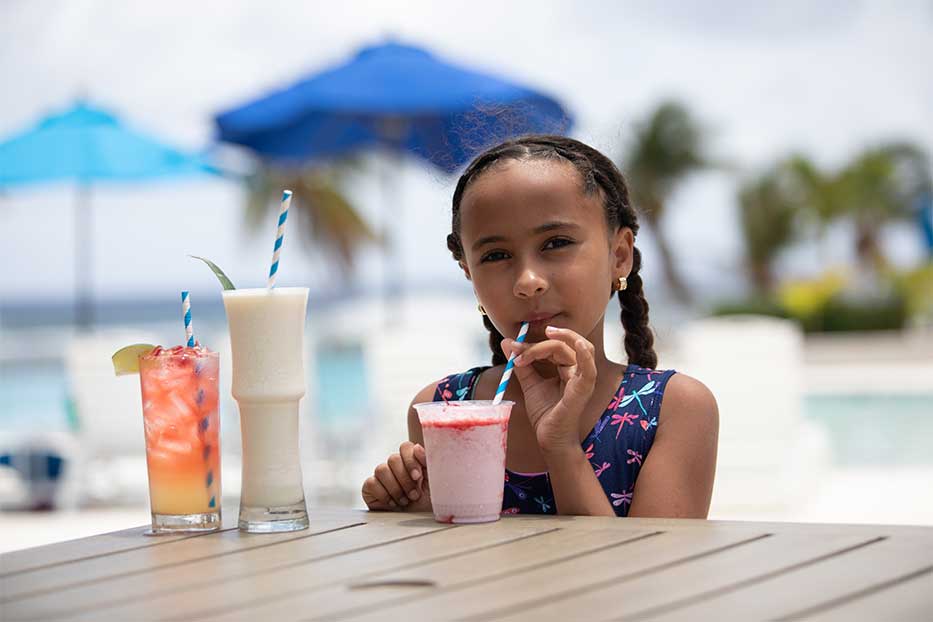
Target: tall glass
267,339
179,391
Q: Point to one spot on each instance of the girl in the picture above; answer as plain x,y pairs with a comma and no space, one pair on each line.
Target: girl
544,230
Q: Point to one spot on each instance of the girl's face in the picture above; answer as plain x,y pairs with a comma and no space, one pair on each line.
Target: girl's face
538,249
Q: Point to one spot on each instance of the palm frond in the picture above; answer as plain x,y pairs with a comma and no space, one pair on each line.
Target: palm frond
323,213
667,147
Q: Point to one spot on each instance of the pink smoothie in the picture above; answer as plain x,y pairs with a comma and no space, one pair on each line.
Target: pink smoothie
465,445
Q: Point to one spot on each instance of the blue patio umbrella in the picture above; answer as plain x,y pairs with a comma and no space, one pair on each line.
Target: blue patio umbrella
85,146
395,96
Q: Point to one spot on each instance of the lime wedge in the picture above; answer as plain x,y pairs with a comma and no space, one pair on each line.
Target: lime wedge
126,360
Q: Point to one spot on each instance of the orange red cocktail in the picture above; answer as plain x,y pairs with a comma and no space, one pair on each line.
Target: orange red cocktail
180,414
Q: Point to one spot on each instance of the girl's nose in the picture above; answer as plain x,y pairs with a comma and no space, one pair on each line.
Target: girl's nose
530,283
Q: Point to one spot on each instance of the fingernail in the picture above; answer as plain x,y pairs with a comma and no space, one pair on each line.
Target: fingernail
550,329
403,501
391,503
415,474
518,360
413,495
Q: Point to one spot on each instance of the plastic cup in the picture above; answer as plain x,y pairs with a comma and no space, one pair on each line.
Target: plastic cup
465,444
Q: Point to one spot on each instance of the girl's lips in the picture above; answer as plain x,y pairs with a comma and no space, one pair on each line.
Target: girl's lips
541,319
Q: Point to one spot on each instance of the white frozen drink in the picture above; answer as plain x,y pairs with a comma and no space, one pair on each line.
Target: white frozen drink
267,339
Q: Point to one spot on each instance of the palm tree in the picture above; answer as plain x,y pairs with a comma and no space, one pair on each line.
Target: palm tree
323,211
880,185
768,210
667,147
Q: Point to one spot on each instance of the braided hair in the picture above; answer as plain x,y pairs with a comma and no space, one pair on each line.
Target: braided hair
599,175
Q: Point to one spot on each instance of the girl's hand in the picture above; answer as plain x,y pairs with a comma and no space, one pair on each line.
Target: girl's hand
555,405
401,482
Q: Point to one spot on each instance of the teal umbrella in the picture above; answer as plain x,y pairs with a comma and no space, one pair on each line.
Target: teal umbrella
85,146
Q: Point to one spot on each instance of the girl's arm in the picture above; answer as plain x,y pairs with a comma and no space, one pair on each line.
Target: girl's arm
415,435
401,481
554,406
676,480
577,491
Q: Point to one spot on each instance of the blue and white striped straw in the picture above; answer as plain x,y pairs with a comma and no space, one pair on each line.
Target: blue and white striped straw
500,392
186,310
283,216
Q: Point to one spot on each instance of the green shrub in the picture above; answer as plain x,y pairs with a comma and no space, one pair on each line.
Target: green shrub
835,315
846,315
753,306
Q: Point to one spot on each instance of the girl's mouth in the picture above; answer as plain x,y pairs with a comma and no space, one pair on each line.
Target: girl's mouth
539,321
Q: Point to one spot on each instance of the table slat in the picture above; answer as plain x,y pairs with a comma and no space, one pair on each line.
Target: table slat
807,587
50,579
647,589
492,579
549,545
26,560
412,544
192,583
908,599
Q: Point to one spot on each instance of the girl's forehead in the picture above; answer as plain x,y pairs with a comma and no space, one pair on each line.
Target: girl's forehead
517,192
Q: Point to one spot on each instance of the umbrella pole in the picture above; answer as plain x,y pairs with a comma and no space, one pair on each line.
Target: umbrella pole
84,227
392,261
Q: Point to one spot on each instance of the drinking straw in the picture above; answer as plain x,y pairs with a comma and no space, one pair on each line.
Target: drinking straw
186,310
500,392
283,215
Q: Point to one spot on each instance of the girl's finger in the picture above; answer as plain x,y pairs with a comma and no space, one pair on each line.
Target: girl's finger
510,345
413,466
375,496
387,479
563,334
422,458
402,473
557,352
583,379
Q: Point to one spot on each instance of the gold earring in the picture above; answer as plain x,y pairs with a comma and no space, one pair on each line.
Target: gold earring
481,309
621,284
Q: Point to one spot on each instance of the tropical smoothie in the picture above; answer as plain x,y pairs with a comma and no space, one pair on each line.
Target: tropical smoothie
267,338
465,445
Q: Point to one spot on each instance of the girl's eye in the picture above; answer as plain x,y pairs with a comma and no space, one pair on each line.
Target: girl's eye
494,256
557,243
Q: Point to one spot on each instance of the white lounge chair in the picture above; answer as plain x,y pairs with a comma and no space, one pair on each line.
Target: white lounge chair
771,459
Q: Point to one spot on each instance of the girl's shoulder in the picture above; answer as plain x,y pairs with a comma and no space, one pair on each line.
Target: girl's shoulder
689,404
453,387
646,382
458,386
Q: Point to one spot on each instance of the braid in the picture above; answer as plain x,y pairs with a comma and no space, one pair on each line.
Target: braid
495,342
495,337
599,175
639,340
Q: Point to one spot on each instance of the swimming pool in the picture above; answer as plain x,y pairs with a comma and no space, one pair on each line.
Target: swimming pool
863,430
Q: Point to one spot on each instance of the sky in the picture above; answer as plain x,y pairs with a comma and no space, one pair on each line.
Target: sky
825,78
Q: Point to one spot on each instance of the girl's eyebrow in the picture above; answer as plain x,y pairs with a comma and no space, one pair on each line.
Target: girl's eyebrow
548,226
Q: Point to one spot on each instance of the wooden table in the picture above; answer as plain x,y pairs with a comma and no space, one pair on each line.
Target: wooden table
392,566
